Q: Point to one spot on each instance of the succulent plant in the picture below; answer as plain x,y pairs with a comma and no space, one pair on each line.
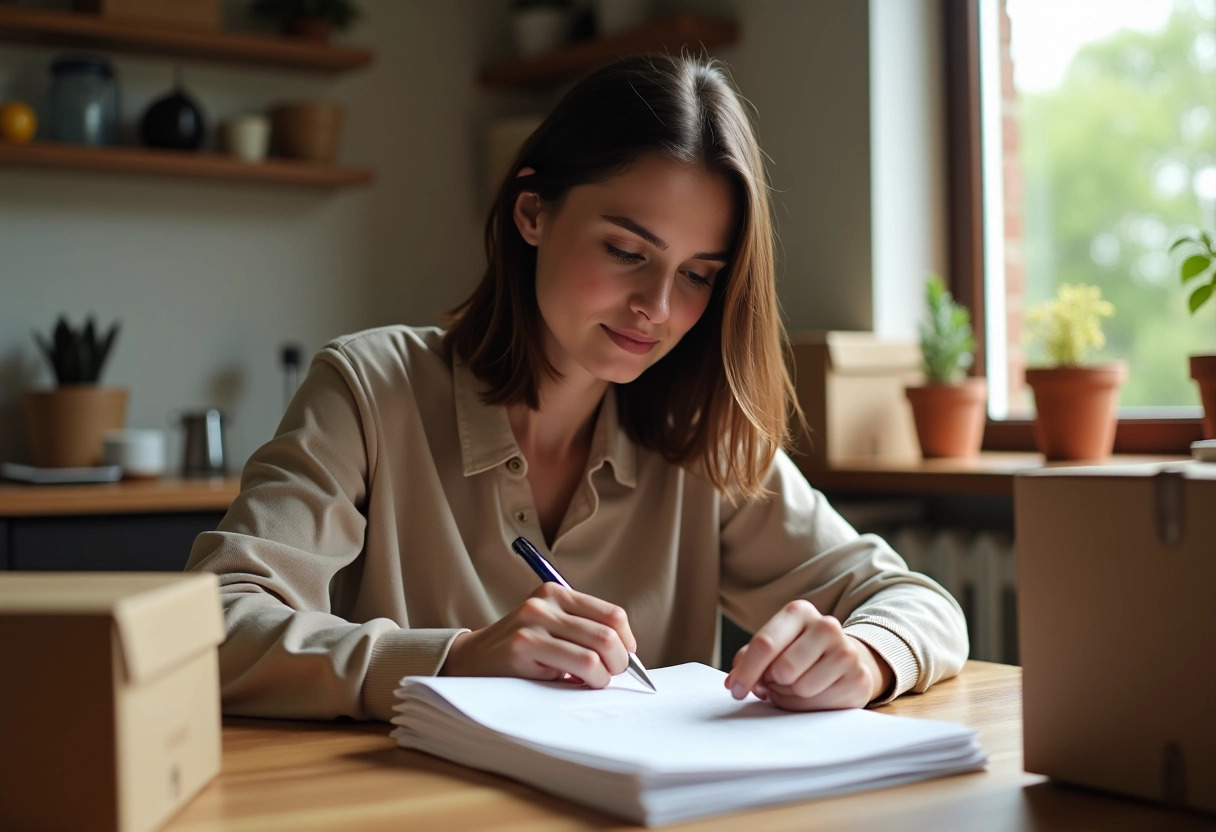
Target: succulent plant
947,346
77,355
1070,324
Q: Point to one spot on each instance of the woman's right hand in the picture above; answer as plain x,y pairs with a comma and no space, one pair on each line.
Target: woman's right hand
556,631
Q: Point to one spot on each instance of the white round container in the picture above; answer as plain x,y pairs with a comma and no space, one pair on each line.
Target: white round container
140,452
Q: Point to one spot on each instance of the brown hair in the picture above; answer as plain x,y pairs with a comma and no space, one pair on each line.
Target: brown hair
721,399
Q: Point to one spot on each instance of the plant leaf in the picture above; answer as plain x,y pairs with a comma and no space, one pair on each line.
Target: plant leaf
1194,266
1200,296
1181,241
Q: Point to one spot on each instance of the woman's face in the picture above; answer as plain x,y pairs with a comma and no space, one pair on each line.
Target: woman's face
626,267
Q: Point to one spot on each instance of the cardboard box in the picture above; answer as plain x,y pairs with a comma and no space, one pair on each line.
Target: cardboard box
111,712
203,14
1115,619
851,387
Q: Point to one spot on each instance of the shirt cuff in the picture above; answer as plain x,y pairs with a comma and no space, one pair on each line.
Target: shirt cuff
895,652
400,653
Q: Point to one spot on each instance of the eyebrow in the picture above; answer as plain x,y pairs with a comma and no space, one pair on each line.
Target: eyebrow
650,237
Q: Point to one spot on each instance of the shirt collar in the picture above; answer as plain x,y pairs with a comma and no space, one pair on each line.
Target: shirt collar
486,439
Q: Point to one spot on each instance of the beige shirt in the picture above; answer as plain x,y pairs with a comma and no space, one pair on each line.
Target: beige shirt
376,526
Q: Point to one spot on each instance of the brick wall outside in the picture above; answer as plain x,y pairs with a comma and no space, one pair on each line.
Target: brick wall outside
1014,190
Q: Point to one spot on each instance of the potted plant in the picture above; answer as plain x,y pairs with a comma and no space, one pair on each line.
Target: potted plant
65,426
1203,367
312,19
950,408
1075,402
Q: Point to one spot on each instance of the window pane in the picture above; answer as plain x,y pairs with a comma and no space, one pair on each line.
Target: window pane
1099,150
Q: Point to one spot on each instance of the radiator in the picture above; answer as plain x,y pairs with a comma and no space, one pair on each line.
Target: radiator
979,570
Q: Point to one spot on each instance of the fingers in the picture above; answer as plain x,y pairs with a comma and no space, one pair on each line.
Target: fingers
575,633
595,609
767,645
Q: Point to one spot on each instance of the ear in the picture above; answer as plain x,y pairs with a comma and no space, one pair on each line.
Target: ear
528,213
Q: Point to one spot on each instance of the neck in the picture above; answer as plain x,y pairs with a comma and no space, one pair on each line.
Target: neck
564,422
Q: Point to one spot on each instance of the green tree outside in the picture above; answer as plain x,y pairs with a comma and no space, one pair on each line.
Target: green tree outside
1110,159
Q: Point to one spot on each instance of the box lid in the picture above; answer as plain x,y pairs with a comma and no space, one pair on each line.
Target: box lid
158,617
862,352
1189,469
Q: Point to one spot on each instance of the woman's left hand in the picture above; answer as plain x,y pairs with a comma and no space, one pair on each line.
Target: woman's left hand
801,660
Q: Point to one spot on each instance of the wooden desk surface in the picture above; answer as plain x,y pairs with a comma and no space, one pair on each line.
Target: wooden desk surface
296,776
125,497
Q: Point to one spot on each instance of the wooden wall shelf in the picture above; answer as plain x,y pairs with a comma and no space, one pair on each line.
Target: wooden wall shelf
175,163
670,34
76,29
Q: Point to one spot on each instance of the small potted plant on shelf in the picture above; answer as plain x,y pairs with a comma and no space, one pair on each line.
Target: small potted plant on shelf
65,426
1075,402
1199,267
950,408
312,19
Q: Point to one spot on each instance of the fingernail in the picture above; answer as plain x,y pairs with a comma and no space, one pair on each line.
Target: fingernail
738,691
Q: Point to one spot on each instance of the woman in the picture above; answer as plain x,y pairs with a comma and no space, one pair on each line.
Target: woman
614,390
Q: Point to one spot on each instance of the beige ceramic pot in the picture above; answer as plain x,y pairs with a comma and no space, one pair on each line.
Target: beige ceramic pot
950,417
66,427
1203,370
1075,409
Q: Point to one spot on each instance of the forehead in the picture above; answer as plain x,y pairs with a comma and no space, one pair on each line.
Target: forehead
687,206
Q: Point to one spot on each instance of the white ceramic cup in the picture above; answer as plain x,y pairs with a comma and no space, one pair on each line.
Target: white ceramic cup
140,452
246,137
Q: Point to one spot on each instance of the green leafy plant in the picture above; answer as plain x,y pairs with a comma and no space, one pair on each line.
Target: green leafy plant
339,13
947,347
1198,266
77,355
1070,324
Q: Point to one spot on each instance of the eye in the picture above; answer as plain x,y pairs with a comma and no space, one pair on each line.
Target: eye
622,256
700,280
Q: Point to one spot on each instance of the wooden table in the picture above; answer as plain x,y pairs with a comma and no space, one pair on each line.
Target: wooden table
296,776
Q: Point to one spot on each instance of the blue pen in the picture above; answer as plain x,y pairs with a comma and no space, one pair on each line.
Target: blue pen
545,571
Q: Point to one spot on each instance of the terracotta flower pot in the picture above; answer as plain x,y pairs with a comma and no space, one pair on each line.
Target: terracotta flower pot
1075,409
1203,370
65,427
950,417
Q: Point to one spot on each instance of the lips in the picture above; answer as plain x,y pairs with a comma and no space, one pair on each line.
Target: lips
632,342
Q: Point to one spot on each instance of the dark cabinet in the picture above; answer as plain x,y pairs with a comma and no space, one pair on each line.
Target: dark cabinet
103,542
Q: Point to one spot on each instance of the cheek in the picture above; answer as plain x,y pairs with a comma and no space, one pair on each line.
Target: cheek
582,281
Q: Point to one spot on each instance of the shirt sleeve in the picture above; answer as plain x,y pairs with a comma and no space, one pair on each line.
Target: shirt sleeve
793,544
297,522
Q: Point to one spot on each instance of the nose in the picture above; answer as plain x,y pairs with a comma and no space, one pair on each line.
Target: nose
653,297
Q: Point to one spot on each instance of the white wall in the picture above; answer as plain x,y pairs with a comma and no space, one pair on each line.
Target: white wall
908,151
805,66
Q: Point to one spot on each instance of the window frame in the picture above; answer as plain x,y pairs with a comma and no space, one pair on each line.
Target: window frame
964,168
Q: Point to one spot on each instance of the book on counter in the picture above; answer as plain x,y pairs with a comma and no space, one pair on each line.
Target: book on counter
688,751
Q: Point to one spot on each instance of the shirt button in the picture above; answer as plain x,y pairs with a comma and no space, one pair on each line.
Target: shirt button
513,464
521,516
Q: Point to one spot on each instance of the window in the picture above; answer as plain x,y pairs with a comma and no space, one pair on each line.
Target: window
1083,142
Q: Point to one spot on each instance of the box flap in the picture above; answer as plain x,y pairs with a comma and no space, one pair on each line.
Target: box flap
159,617
863,352
157,629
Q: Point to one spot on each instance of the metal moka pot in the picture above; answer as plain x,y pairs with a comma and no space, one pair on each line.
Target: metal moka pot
203,443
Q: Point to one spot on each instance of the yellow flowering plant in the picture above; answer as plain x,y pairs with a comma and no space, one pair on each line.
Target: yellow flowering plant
1070,324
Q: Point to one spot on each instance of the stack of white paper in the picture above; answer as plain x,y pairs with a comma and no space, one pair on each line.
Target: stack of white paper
688,751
